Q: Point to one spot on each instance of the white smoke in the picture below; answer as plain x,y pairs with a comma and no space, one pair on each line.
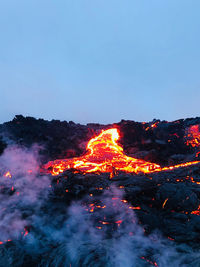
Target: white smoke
22,193
123,244
50,233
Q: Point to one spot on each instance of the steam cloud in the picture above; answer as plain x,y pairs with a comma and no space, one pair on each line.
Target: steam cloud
38,230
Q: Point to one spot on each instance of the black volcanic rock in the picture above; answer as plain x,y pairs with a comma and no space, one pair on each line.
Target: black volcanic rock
179,197
166,202
159,144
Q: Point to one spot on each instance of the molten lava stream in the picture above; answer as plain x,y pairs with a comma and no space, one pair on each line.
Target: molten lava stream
105,155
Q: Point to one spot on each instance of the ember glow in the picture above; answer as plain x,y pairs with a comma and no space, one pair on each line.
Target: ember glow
105,155
193,136
7,174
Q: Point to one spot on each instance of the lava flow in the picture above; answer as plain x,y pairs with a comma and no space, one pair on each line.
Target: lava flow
193,136
105,155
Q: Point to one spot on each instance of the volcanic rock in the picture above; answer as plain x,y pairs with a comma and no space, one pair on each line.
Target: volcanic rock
165,202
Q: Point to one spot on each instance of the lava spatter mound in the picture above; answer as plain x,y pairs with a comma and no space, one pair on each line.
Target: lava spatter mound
105,155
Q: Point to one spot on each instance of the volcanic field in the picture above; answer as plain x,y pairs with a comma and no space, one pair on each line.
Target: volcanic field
123,194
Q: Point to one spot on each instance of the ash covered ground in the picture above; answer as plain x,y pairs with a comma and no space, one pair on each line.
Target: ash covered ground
77,219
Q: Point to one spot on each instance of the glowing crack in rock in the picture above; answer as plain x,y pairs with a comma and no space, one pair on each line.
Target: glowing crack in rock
105,155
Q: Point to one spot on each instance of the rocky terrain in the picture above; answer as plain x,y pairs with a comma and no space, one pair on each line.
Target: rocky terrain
164,206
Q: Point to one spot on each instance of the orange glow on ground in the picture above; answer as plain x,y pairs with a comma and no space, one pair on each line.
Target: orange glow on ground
7,174
193,136
105,155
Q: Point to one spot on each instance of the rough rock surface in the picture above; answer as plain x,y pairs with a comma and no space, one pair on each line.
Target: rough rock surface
167,201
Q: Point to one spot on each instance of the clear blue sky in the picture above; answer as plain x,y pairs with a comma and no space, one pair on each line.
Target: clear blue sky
100,60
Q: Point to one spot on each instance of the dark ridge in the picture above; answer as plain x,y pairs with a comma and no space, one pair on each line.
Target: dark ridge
164,144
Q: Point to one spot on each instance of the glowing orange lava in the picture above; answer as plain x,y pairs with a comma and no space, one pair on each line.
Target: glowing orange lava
193,136
7,175
105,155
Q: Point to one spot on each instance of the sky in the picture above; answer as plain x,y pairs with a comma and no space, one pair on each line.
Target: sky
100,60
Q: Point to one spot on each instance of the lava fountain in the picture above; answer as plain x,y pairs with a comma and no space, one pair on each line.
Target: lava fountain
105,155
